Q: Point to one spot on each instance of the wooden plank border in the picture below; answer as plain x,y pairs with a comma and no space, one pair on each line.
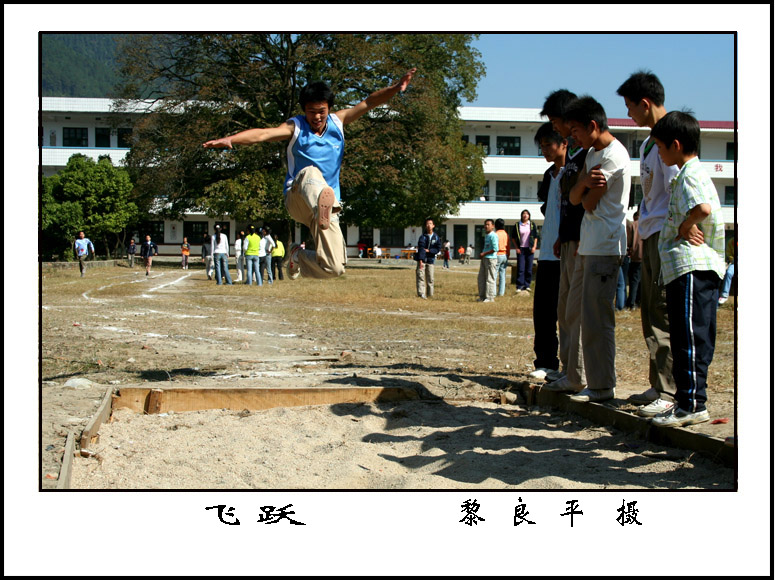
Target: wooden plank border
147,400
65,473
92,428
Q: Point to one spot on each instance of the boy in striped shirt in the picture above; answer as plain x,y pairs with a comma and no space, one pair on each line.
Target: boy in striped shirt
691,250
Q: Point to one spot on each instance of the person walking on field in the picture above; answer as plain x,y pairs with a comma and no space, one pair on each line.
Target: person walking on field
148,250
315,152
82,248
185,251
131,250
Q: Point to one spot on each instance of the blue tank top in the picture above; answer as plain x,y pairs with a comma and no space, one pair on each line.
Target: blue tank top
323,151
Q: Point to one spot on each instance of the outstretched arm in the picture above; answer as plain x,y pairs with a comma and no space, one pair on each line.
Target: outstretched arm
376,99
251,136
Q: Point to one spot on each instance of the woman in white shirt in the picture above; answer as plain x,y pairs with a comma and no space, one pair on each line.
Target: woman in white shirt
220,253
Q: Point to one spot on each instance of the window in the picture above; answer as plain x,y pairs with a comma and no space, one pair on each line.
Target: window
479,234
509,145
484,141
465,138
102,137
635,149
729,195
391,237
461,235
155,229
441,231
730,151
75,137
52,138
124,138
195,231
366,235
486,191
507,191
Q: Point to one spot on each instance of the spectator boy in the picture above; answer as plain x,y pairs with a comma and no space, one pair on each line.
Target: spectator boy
252,261
572,377
504,246
131,250
547,286
691,249
644,97
604,191
488,262
428,246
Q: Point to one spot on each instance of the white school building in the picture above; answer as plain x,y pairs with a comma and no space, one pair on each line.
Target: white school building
513,169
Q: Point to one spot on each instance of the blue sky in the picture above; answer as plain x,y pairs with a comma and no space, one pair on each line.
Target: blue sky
697,70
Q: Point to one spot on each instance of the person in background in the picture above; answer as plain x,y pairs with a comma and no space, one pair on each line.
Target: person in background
488,263
730,273
207,258
527,241
428,246
220,254
148,250
82,248
635,252
131,250
268,244
185,251
503,255
278,253
239,249
252,248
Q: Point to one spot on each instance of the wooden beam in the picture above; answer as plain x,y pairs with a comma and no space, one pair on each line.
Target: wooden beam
181,400
65,473
93,426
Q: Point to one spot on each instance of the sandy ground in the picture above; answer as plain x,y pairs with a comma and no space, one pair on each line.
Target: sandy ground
461,440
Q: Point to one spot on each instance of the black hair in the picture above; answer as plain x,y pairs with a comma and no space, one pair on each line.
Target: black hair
428,219
529,217
267,230
557,102
500,224
489,220
643,85
546,131
315,93
679,126
584,110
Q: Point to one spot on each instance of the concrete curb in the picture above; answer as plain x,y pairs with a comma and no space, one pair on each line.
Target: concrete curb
604,414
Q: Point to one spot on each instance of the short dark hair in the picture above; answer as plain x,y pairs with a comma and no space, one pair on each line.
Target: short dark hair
489,220
316,92
679,126
428,219
500,224
643,85
584,110
546,131
556,103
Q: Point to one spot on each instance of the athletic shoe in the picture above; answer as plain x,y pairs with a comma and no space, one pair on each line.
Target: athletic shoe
488,300
563,385
326,201
644,398
593,395
552,375
655,408
539,373
293,265
678,418
722,299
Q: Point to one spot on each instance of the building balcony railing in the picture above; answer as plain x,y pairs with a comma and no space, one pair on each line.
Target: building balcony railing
58,156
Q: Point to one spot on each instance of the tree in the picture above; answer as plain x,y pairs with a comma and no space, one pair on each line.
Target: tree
404,162
90,196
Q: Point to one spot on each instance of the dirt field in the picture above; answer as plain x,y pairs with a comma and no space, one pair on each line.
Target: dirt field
116,327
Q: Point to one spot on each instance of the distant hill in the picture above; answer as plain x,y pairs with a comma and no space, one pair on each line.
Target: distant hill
79,65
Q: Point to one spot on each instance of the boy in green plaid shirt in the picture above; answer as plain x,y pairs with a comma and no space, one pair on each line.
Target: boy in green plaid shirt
691,249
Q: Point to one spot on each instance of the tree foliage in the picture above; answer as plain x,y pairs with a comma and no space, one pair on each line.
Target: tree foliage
88,195
403,161
78,65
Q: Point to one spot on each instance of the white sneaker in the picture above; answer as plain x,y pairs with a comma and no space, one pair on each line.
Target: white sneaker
656,408
488,300
678,418
294,269
722,299
539,374
593,395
